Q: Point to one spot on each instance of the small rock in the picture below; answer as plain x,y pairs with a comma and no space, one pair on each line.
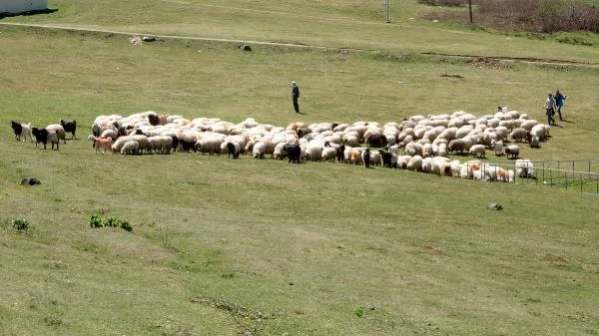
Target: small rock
495,206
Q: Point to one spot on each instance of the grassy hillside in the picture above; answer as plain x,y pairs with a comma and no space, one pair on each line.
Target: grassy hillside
315,249
338,24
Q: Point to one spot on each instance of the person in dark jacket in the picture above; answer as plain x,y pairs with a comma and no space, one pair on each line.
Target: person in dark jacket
559,102
295,94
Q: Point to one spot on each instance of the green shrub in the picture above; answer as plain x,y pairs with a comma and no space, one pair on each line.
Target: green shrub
20,224
97,221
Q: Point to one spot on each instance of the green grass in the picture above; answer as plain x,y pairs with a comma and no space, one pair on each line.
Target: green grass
337,24
313,245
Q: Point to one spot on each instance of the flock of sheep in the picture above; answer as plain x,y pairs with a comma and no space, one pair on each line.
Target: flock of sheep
50,134
419,143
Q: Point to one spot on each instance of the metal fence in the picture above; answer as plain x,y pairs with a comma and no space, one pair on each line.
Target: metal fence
576,175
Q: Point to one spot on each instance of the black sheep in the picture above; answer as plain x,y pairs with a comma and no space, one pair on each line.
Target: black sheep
175,142
17,128
232,150
386,158
340,152
367,158
70,126
293,152
186,146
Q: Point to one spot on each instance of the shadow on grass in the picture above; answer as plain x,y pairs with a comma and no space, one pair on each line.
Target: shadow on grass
28,13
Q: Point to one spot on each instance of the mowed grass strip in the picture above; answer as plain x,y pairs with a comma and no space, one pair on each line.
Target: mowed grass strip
324,248
336,24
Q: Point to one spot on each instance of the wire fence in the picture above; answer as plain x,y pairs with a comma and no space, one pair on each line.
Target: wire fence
576,175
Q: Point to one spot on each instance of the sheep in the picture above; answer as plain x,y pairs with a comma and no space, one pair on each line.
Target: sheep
366,157
403,160
387,159
21,131
233,149
518,134
59,130
413,148
534,142
340,154
103,144
457,145
329,154
69,126
161,144
427,150
130,147
44,136
355,156
441,166
144,143
109,133
512,151
210,145
314,152
259,150
293,152
155,119
524,168
442,149
415,163
477,150
280,152
497,147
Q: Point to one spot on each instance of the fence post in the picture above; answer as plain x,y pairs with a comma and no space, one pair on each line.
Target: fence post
543,171
573,171
550,178
580,182
566,176
589,166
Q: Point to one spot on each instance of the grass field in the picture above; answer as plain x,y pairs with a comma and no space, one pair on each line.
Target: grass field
320,249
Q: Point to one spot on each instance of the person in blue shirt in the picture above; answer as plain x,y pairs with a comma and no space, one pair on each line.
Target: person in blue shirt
559,102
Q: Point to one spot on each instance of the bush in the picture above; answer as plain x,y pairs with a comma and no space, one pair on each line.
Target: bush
20,224
548,16
97,221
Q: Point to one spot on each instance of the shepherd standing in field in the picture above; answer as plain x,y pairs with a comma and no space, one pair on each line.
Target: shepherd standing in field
295,94
559,102
550,109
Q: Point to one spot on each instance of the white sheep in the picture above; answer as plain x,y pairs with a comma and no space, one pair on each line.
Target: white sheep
477,150
415,163
497,147
130,147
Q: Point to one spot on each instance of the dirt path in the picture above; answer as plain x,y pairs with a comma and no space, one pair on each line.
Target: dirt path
176,37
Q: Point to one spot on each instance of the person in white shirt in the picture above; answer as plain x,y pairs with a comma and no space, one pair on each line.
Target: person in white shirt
550,109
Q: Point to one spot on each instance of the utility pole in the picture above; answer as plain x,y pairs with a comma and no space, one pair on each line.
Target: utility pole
470,10
386,10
